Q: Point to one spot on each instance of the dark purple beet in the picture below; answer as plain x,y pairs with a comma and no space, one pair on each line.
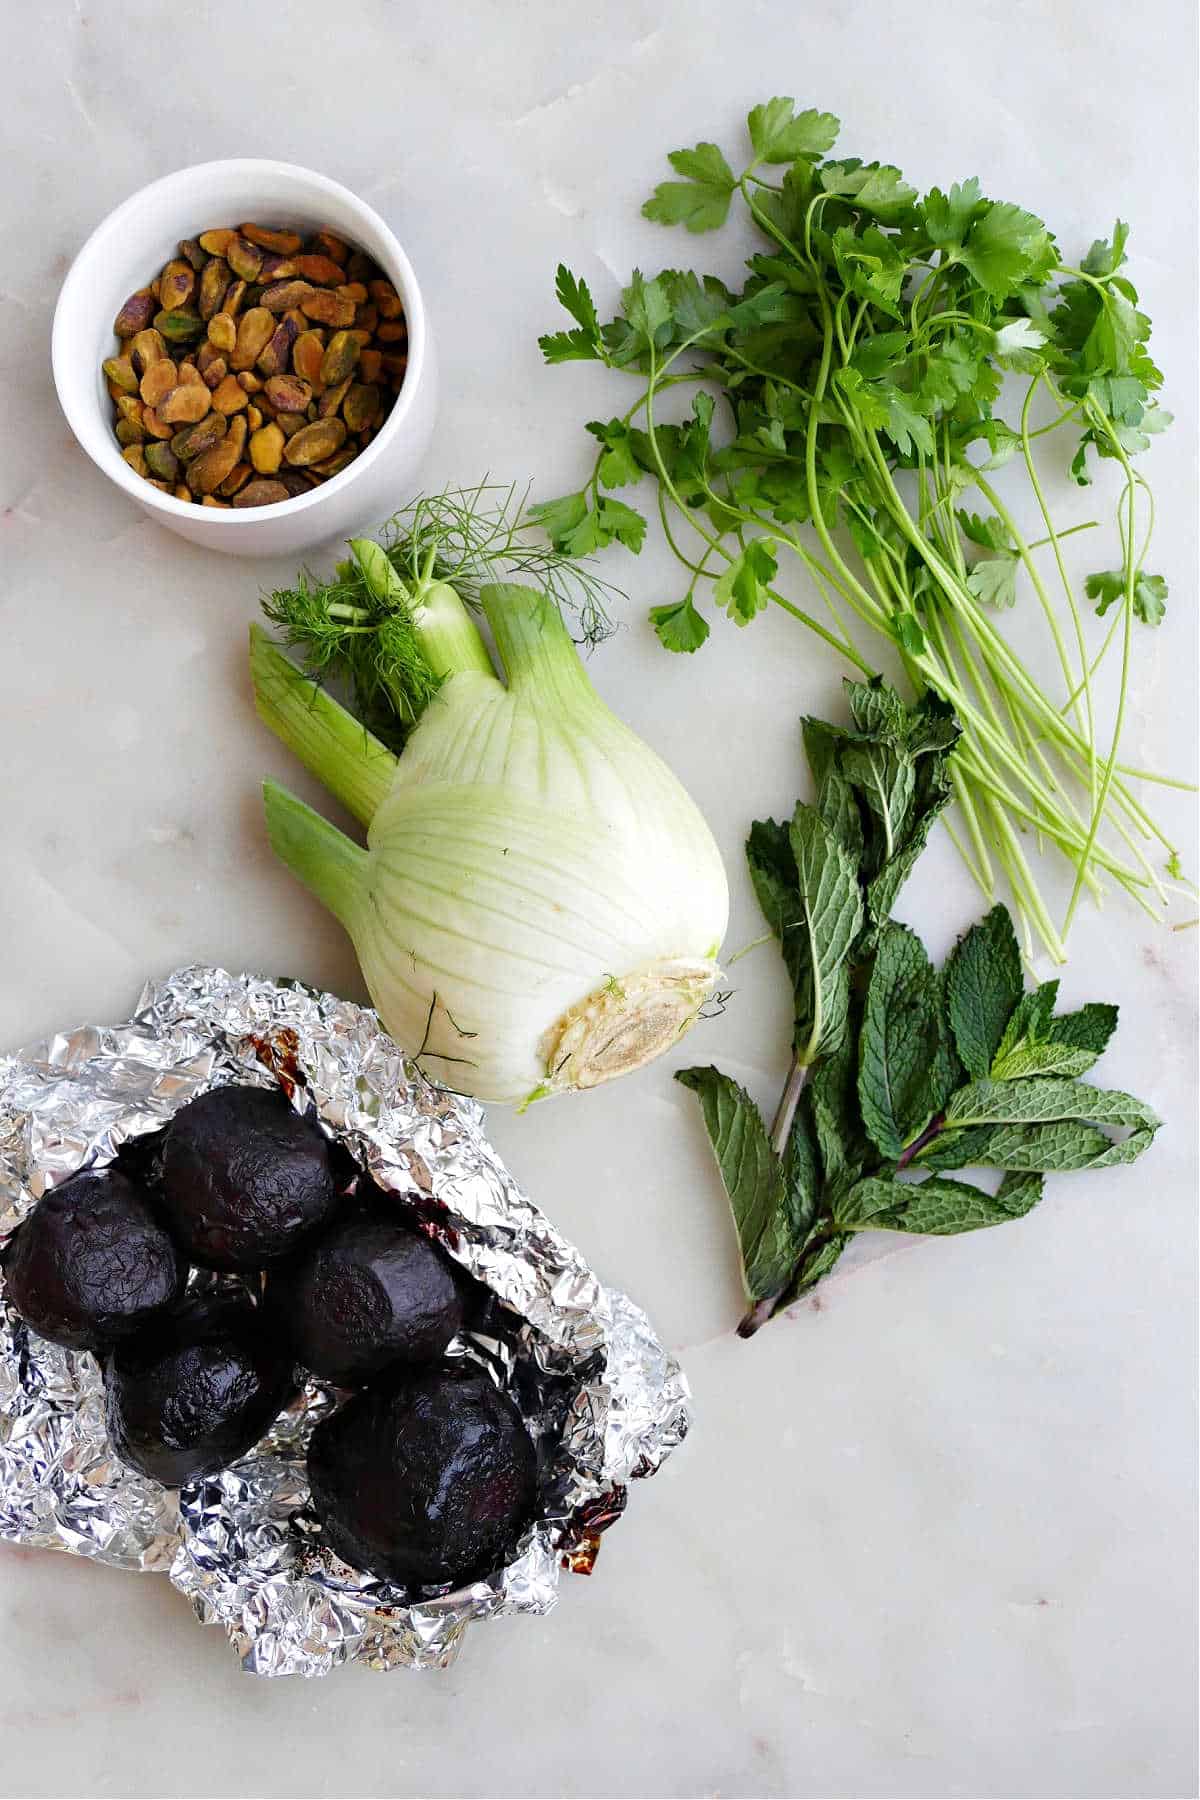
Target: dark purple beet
367,1293
427,1477
91,1264
245,1179
197,1392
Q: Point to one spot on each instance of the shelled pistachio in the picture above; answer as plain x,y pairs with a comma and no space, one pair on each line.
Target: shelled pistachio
256,365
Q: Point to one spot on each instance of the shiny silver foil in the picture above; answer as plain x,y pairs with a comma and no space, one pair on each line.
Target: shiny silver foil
606,1402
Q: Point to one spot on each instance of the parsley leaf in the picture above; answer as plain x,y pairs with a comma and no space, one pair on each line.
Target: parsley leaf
618,467
874,188
743,588
988,532
780,134
1149,593
647,311
576,529
679,626
948,217
1005,247
583,344
994,581
701,202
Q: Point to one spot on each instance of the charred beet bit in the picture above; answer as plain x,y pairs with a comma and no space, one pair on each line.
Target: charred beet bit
91,1263
244,1178
425,1478
369,1292
197,1392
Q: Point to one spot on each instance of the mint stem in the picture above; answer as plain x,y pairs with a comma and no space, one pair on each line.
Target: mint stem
785,1112
931,1131
781,1131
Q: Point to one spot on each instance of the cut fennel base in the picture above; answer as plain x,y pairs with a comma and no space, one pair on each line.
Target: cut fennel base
626,1022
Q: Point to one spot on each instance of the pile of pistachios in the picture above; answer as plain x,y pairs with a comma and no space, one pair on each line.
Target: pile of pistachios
255,365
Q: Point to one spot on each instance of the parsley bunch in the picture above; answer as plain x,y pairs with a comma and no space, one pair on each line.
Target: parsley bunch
844,408
899,1070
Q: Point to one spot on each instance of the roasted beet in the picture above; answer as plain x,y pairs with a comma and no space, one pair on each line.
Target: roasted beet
198,1391
427,1477
244,1178
367,1293
91,1264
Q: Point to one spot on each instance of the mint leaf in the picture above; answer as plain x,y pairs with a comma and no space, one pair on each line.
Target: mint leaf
1034,1042
875,707
994,581
1030,1018
1088,1029
984,983
1053,1147
679,626
802,1177
816,1264
1042,1059
885,776
830,917
752,1177
931,733
701,202
834,795
903,1072
935,1206
780,134
1050,1101
832,1097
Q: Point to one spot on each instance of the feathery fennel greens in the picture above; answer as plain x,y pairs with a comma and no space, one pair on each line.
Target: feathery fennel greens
859,375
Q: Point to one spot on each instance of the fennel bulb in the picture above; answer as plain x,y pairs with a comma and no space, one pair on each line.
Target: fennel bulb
539,905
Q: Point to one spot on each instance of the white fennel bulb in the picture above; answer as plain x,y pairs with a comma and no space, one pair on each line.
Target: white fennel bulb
540,905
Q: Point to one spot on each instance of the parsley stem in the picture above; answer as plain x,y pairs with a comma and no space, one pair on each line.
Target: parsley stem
841,645
986,878
1132,563
1068,590
985,887
989,493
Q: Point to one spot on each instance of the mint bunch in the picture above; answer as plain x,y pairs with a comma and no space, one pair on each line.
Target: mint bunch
901,1072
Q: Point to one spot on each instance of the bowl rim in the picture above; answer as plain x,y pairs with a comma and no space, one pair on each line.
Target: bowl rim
402,272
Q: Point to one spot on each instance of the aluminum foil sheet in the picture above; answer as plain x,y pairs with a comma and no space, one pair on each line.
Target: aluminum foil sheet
604,1401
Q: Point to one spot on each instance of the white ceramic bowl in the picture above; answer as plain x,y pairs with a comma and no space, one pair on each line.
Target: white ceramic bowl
128,250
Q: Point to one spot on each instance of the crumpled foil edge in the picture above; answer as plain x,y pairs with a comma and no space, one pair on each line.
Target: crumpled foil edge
605,1400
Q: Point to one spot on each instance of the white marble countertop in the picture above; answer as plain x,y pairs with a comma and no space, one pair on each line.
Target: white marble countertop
933,1534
